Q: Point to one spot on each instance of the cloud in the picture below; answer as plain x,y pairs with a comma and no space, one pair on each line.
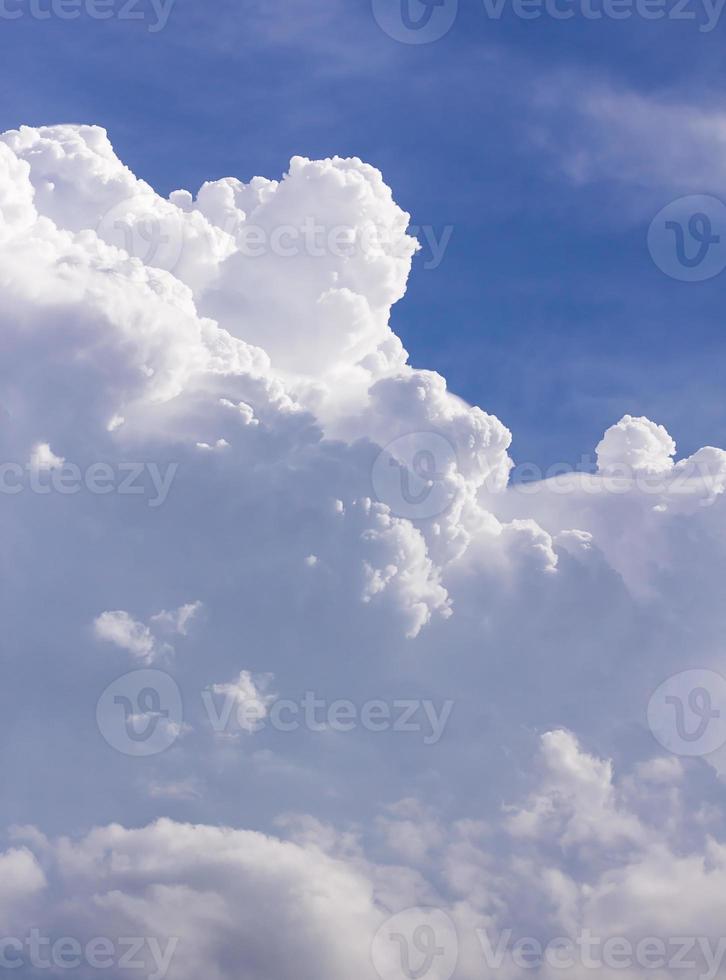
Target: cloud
637,445
650,146
348,526
179,620
247,697
576,804
119,628
43,458
140,640
205,894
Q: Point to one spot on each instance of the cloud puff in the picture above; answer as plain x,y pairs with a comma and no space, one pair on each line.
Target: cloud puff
247,696
637,445
120,628
140,640
43,458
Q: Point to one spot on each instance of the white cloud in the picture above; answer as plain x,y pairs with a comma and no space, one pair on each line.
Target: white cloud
576,804
141,640
247,695
179,620
122,630
636,445
554,607
651,147
43,458
228,895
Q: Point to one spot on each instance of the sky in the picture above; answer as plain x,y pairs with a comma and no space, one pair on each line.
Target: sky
361,496
486,131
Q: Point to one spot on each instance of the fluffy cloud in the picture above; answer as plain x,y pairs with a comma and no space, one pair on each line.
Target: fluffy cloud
638,445
236,902
140,640
247,695
349,526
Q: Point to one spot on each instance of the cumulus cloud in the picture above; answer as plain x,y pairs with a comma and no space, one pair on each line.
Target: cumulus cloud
350,528
636,445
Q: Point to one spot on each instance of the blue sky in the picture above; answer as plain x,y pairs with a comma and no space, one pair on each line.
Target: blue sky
547,281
